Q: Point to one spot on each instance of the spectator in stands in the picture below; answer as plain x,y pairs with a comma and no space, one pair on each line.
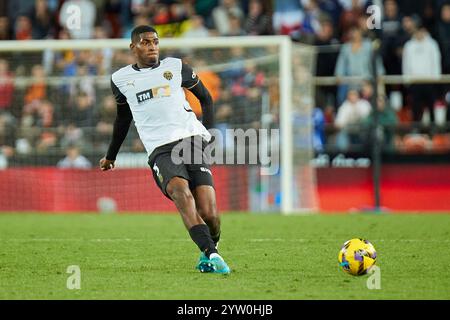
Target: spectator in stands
103,57
7,133
126,15
288,16
326,59
15,8
204,8
5,29
83,113
46,114
23,28
318,118
38,114
349,117
409,27
161,15
249,109
387,118
142,7
47,142
72,135
258,21
107,115
6,86
179,12
355,59
37,90
326,37
329,114
353,10
443,36
138,20
42,20
422,59
197,29
412,7
244,103
222,14
235,26
74,160
367,33
224,116
390,28
84,83
237,67
111,12
311,21
332,9
367,91
87,18
253,77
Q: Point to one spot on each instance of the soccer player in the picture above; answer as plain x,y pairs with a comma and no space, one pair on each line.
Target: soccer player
150,92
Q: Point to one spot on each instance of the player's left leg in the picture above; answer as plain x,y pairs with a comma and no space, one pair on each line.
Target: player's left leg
205,202
202,187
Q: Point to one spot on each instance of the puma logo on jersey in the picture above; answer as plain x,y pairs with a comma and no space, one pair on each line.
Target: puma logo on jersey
203,169
130,83
158,174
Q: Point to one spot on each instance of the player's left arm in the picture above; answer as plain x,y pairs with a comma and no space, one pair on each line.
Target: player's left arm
192,82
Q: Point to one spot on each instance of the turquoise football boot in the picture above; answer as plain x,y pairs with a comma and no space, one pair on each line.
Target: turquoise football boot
219,265
202,263
214,265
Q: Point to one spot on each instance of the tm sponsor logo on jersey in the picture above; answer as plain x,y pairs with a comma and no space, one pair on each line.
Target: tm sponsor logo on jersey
158,92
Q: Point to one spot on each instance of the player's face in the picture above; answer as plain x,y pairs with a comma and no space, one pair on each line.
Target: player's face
146,48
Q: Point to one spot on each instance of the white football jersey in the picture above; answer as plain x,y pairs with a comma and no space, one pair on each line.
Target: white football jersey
158,103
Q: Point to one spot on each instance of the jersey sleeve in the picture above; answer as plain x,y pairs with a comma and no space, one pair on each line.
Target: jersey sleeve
189,78
120,98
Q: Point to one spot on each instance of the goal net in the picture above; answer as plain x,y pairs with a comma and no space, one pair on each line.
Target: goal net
57,112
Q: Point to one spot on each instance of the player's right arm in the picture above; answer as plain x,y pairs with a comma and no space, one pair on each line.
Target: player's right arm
120,129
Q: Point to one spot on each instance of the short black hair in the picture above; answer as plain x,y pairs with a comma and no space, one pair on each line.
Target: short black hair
141,29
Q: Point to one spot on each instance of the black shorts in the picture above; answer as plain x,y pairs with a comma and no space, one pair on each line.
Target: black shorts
196,170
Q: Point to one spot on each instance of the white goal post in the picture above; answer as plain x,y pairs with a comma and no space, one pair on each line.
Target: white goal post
295,198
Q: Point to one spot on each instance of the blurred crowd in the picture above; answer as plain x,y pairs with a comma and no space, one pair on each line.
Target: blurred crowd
38,116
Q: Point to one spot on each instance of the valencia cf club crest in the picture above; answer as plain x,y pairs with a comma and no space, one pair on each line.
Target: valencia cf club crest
168,75
160,178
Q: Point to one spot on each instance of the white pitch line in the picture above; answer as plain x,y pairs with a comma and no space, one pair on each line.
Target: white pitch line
334,240
87,240
188,240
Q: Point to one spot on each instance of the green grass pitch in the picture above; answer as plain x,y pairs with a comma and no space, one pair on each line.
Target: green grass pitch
271,256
